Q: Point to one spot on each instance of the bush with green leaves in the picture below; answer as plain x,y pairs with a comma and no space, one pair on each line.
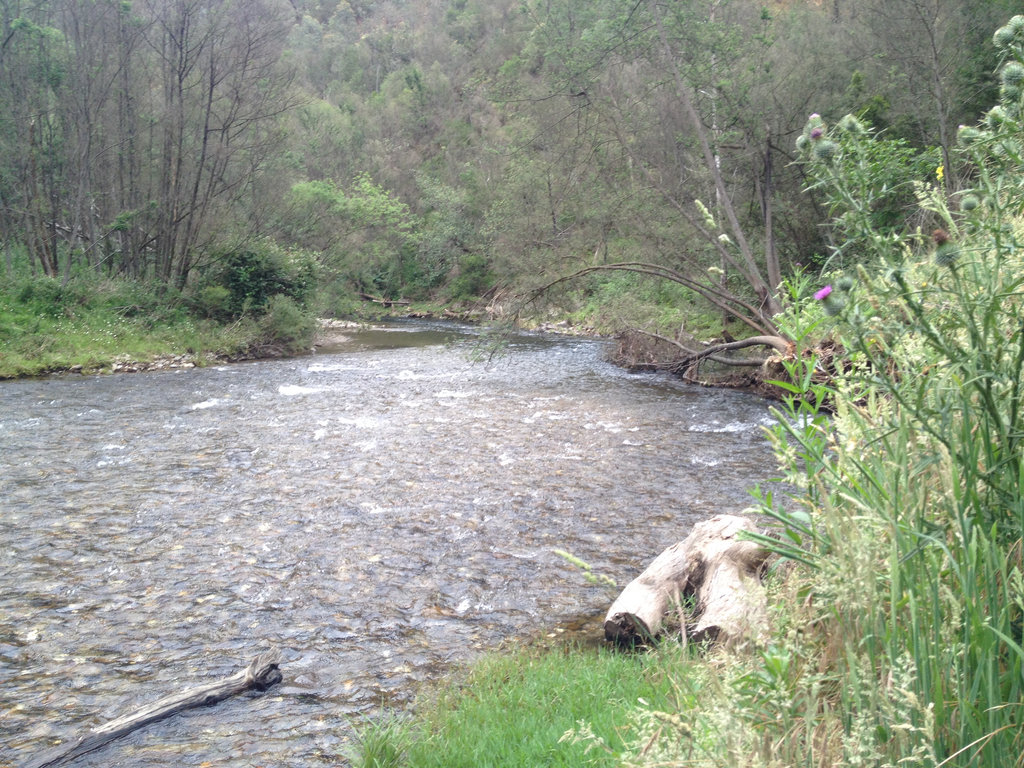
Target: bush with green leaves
474,278
252,276
285,327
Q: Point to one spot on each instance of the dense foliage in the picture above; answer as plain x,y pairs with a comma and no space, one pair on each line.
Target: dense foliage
440,148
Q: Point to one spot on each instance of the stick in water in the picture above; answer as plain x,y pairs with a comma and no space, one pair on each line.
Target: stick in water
261,674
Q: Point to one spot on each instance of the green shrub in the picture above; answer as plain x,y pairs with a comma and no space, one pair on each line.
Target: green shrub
213,301
286,326
254,275
43,296
474,278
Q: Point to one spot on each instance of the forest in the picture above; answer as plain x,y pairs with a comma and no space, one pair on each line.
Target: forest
233,159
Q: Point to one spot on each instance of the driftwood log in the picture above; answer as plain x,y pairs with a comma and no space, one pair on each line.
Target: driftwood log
713,566
261,674
385,302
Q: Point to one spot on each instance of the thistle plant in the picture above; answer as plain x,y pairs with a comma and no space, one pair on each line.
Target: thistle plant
919,493
899,636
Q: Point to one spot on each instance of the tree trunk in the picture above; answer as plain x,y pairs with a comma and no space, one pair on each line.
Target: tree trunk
714,567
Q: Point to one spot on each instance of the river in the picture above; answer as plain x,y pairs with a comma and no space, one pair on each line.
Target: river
380,513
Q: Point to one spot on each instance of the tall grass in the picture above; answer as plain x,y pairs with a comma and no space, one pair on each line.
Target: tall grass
929,435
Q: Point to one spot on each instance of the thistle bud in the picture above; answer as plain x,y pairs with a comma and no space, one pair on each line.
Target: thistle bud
995,118
969,202
852,126
833,305
825,150
1003,37
1012,73
968,135
946,251
814,122
946,254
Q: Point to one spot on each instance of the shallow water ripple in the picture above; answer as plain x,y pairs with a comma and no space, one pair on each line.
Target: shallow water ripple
378,513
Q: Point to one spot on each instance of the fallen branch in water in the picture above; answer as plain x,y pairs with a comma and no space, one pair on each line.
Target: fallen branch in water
385,302
261,674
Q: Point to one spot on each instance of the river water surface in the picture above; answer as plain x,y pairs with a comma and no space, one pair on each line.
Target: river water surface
379,513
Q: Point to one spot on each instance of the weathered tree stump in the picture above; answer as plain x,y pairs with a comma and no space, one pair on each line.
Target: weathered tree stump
261,674
715,567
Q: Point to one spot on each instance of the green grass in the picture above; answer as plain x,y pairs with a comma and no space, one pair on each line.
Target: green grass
47,327
526,708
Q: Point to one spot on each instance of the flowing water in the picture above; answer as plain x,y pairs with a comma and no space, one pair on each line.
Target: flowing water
379,513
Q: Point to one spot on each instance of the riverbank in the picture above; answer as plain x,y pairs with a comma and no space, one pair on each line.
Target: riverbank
116,326
572,706
109,325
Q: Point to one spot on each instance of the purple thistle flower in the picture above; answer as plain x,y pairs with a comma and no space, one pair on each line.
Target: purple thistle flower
823,293
816,133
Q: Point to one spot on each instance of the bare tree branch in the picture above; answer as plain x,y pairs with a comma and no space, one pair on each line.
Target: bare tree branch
713,351
727,302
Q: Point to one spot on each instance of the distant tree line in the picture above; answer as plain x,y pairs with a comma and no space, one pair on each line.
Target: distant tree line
448,145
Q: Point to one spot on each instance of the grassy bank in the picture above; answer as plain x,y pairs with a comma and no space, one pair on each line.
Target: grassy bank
93,324
555,707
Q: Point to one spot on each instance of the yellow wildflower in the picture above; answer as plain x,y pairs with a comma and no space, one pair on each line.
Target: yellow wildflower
940,172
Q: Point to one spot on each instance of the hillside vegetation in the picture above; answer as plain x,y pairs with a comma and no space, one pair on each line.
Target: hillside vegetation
457,152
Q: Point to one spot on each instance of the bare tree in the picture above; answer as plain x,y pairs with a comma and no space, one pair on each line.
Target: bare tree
30,78
220,87
645,78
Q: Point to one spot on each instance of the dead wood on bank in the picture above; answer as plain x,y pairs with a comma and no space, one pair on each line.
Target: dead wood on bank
261,674
715,570
717,364
642,350
385,302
